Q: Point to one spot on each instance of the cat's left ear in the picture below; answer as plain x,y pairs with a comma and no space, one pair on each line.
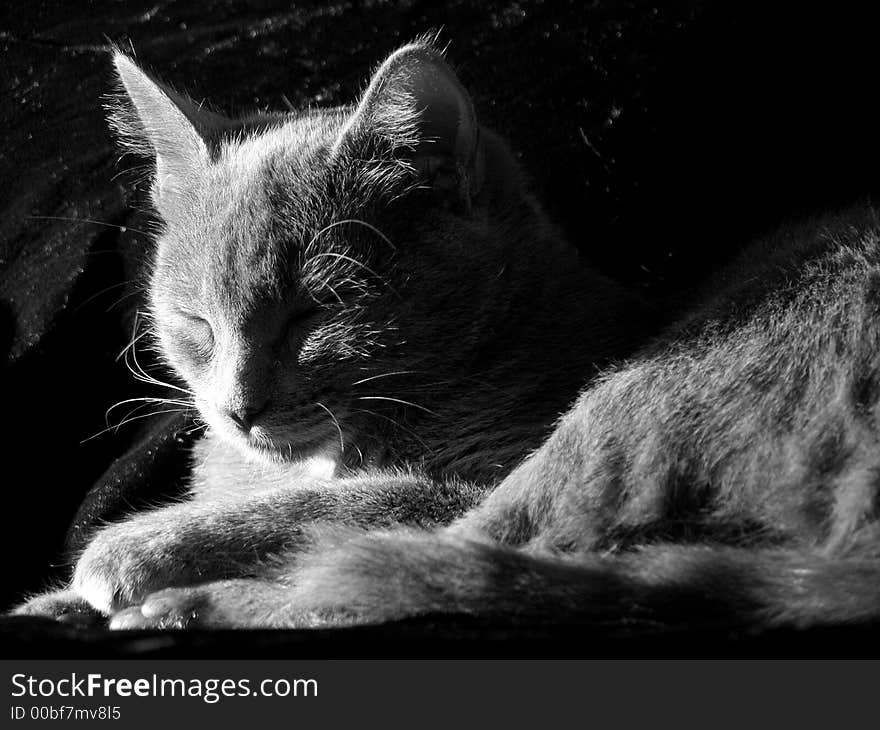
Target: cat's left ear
165,125
416,105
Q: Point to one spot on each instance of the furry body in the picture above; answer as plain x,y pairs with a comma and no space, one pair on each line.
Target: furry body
731,464
729,468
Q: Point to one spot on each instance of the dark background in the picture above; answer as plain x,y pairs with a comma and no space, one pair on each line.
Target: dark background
662,138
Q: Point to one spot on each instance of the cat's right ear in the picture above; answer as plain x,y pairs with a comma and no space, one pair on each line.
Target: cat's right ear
416,108
154,121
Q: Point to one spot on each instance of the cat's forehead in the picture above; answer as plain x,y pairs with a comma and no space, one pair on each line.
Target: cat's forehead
293,137
256,209
287,160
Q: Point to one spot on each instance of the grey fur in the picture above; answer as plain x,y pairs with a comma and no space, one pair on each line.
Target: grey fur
730,466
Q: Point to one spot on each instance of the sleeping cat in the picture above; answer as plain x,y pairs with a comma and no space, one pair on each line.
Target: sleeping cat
364,304
381,328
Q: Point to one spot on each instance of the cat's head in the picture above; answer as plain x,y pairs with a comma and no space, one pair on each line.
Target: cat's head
322,275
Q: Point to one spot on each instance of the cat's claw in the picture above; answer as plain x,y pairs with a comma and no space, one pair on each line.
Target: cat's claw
222,604
130,618
172,608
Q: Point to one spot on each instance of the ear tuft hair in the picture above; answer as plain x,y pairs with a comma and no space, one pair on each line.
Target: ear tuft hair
152,120
123,118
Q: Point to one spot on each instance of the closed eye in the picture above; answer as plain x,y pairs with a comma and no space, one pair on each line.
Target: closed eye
198,333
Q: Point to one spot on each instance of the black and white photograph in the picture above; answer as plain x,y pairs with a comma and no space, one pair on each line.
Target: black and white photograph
439,330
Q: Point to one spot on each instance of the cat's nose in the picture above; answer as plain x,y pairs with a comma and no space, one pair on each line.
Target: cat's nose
244,416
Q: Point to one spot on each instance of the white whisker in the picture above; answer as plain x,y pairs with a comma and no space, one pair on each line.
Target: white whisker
125,296
356,221
397,400
104,291
336,423
385,375
356,263
131,343
86,220
137,371
148,401
129,420
398,425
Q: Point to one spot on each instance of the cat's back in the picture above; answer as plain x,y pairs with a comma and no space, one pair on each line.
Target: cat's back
756,414
828,258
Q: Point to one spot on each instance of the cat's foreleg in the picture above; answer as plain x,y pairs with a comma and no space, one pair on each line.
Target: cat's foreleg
200,541
390,575
517,513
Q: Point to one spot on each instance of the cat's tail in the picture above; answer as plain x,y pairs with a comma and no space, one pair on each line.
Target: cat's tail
381,576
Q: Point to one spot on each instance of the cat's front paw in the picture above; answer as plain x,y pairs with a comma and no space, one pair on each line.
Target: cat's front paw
241,603
172,608
64,606
126,562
